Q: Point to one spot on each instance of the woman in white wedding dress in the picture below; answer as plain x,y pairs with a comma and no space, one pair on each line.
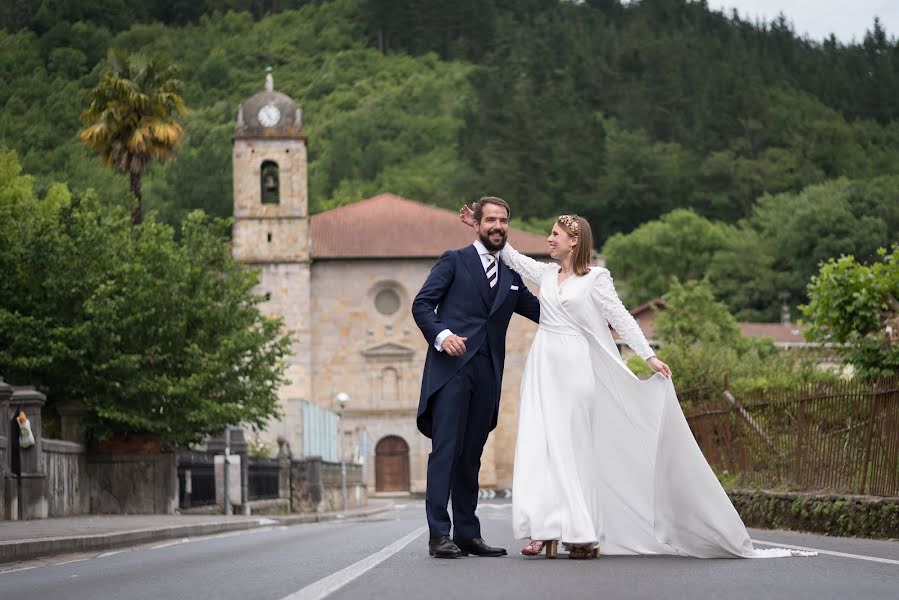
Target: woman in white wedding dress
604,459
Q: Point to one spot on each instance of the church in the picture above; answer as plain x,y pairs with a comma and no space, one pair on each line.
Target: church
343,282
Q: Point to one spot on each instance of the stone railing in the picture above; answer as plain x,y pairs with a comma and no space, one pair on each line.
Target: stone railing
316,486
65,465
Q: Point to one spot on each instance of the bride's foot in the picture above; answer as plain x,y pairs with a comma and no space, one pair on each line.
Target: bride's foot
583,551
537,546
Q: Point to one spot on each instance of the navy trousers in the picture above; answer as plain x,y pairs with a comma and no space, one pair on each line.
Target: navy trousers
461,412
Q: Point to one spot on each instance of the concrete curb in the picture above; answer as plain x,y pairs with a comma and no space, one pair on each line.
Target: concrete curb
36,548
331,516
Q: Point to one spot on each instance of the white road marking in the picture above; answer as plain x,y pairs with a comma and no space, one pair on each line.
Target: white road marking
105,554
888,561
330,584
20,569
167,544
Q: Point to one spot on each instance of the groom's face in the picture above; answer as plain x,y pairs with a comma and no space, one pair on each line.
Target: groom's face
493,227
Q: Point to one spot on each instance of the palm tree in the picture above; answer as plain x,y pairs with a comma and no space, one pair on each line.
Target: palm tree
132,117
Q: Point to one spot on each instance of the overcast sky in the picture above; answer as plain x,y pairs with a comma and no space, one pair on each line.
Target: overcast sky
848,19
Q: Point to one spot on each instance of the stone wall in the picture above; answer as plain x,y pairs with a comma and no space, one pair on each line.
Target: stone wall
316,486
829,514
133,484
67,489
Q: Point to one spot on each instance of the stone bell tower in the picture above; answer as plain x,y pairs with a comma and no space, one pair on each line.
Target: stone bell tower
271,232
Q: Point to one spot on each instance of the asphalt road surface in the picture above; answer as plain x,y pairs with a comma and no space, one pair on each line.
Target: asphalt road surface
386,557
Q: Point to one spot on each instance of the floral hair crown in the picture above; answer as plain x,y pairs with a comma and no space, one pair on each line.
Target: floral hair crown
570,223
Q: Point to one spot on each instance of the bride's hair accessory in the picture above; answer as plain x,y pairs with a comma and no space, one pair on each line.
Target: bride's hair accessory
570,223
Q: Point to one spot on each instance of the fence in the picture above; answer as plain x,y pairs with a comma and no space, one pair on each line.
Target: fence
196,479
262,479
840,438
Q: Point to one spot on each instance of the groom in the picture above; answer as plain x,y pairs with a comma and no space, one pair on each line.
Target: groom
463,310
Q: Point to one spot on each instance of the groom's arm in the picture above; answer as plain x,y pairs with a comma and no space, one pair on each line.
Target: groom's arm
528,305
431,295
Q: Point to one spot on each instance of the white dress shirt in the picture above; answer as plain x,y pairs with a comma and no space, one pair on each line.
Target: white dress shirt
485,262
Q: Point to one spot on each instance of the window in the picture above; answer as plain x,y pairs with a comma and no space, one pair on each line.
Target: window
387,301
270,182
390,388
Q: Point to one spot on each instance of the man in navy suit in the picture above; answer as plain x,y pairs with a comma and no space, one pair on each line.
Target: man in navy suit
463,310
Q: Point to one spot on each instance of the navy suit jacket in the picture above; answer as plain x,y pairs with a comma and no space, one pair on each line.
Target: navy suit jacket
456,296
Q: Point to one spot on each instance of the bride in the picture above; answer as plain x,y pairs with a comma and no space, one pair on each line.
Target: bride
604,459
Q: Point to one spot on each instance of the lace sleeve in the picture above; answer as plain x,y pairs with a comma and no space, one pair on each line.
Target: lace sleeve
613,310
530,269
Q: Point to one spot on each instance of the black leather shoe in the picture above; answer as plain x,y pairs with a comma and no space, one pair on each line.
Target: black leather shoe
478,547
443,547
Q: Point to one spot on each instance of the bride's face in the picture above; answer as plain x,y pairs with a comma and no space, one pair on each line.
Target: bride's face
560,242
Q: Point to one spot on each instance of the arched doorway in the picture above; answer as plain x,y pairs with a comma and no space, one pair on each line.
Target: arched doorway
392,465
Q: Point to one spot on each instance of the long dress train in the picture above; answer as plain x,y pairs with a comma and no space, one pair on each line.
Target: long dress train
603,457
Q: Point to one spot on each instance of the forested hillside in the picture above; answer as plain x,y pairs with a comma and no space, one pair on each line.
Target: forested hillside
620,112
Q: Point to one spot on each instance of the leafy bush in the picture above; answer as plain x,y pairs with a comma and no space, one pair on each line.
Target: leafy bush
701,341
856,307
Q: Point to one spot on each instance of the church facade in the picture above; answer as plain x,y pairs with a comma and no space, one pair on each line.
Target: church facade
343,281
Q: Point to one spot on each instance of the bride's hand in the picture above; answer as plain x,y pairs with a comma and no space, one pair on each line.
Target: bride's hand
658,366
466,214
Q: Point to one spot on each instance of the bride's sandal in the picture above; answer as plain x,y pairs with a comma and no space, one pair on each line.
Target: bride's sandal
583,552
537,546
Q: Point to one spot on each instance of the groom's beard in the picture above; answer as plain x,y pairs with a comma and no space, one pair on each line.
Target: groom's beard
489,244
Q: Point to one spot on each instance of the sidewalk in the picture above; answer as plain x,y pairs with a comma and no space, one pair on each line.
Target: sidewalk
23,540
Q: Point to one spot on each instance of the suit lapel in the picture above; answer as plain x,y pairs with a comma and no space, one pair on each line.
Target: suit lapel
504,275
476,270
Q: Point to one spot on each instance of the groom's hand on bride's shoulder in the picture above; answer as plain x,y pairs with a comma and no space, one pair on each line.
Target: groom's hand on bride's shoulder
466,214
454,345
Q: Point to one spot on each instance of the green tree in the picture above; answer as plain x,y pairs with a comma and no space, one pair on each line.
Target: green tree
693,316
151,334
702,343
132,117
856,307
679,245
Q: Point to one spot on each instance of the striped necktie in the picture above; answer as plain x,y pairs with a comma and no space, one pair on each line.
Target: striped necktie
491,270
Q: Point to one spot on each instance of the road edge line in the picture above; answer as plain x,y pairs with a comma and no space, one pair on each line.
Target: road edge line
888,561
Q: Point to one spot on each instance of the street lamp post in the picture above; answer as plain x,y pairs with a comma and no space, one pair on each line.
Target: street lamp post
342,398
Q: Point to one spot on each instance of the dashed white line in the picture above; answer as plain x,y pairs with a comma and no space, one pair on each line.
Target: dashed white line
330,584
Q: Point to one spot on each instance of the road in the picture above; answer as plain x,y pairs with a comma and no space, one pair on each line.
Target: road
386,556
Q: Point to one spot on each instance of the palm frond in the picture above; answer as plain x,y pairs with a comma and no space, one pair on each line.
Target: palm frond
132,113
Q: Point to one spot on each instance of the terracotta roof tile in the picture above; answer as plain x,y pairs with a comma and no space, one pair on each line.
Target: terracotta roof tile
789,333
784,334
388,226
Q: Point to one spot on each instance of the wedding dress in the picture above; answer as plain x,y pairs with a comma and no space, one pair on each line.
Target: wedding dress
603,457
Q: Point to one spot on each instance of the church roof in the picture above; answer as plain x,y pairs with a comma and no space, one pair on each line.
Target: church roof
388,226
